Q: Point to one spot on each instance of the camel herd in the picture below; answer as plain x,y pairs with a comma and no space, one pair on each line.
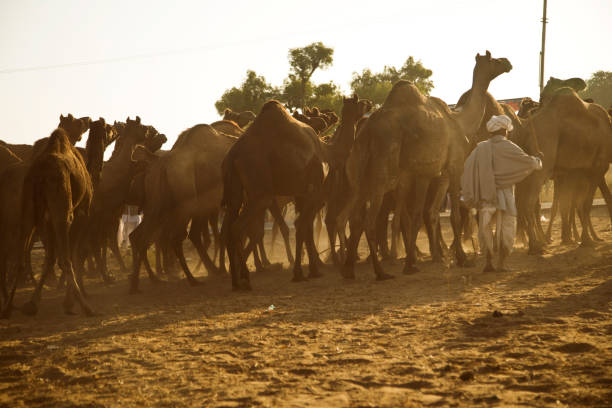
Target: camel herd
404,157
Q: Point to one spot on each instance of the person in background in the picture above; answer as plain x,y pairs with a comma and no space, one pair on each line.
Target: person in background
489,175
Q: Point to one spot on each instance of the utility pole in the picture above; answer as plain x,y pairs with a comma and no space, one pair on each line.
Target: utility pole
544,21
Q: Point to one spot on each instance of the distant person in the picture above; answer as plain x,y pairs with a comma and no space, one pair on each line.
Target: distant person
489,175
128,223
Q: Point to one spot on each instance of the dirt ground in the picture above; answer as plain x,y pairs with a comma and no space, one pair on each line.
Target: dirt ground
540,335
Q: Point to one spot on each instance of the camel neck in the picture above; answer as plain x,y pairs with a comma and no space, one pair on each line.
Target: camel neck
471,115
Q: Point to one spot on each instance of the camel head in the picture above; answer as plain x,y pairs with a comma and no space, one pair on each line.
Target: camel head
488,68
74,127
526,107
352,108
96,144
556,86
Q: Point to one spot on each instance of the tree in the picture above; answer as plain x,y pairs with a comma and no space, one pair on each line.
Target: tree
304,62
599,88
326,96
376,87
251,95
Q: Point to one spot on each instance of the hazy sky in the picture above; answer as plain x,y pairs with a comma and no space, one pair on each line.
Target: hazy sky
172,60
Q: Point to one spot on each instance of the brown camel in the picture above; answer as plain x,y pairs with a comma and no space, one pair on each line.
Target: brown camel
56,196
574,136
318,124
7,158
241,118
113,190
277,156
229,127
11,183
411,142
181,185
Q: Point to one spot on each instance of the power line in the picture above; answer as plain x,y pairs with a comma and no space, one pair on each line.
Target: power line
116,59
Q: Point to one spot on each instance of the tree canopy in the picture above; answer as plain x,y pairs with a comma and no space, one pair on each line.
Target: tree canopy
298,91
304,62
599,88
376,87
251,95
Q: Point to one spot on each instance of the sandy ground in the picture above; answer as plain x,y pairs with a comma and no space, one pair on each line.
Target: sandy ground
429,339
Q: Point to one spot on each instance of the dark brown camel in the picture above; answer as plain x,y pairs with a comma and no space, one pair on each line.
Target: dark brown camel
277,156
11,183
113,190
56,196
403,147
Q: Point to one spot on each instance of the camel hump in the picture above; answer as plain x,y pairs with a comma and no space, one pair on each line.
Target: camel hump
404,92
141,154
58,141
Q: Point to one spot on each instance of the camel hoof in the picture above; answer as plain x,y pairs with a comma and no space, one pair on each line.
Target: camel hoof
587,244
30,308
384,276
410,270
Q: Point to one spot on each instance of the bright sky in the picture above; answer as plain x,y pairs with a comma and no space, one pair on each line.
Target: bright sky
192,51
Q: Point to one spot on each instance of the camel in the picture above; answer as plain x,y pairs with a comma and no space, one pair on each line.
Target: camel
574,136
317,123
241,118
406,145
7,158
11,183
277,156
113,190
179,186
75,128
57,193
353,109
229,127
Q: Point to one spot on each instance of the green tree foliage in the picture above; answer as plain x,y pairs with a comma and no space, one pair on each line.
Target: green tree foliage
599,88
251,95
304,62
376,87
326,96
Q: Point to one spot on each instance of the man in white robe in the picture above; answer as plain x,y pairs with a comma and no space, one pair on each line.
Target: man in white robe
489,176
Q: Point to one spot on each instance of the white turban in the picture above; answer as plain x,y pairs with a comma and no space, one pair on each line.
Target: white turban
499,122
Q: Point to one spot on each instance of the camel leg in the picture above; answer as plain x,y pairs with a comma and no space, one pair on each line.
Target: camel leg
436,193
352,244
300,231
113,244
457,216
370,230
605,192
415,217
237,224
382,226
177,245
30,308
195,236
213,221
284,229
553,213
330,226
139,243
